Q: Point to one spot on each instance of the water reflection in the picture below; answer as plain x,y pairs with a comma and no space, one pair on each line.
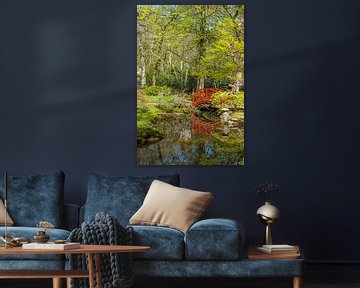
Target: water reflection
203,127
191,139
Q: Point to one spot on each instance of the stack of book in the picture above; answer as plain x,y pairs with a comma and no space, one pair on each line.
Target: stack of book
279,249
274,252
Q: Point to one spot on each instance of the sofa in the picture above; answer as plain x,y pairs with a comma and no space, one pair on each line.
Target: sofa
209,248
32,199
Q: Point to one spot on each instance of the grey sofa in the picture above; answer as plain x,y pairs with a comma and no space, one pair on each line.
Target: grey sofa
210,248
32,199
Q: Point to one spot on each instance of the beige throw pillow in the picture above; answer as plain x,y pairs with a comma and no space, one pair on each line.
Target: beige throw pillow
9,221
170,206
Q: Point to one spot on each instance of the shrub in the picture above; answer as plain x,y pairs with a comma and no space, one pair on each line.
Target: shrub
158,91
176,104
228,99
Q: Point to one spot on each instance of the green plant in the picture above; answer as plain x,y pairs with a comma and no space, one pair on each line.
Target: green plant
228,99
158,91
176,104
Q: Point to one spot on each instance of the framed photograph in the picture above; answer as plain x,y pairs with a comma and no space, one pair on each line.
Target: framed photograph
190,85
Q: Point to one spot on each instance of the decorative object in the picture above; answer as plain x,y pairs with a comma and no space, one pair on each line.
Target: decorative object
265,189
11,241
170,206
190,92
41,236
268,213
45,225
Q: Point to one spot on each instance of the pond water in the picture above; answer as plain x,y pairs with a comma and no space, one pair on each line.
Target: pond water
191,139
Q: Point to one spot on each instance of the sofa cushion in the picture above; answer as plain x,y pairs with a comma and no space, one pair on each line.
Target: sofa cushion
119,196
35,198
170,206
214,239
165,243
9,221
29,232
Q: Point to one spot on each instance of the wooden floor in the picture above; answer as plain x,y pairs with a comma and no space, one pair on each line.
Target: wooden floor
45,283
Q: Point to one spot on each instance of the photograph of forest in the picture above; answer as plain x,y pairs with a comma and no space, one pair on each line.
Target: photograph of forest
190,85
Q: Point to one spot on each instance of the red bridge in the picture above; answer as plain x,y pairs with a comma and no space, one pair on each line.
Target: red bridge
203,96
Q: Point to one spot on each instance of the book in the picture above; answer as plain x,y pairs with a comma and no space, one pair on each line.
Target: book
278,249
51,246
255,254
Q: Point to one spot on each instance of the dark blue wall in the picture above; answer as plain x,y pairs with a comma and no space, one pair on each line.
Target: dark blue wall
68,101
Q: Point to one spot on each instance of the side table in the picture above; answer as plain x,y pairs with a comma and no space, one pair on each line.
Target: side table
288,259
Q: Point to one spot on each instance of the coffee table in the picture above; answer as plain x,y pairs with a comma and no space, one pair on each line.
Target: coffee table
94,267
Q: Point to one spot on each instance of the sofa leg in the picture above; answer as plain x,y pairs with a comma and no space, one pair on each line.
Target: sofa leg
57,283
297,282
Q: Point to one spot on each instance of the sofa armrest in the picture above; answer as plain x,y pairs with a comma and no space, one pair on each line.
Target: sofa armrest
71,216
215,239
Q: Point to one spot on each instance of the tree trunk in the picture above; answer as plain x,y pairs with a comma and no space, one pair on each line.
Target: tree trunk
202,43
201,83
143,66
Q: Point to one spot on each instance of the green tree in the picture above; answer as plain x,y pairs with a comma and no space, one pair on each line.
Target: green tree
179,45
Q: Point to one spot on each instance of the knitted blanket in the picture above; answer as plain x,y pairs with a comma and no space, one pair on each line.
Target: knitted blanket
116,268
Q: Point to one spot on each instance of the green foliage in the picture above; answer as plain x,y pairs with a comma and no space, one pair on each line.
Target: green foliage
151,108
144,116
158,91
228,99
146,132
176,104
179,45
224,58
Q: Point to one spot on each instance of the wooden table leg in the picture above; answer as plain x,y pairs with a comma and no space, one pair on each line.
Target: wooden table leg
68,282
91,270
57,283
98,270
297,282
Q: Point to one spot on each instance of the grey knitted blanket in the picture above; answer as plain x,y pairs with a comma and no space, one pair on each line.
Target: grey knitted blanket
116,268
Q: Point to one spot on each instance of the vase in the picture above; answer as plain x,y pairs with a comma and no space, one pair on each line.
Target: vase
268,214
